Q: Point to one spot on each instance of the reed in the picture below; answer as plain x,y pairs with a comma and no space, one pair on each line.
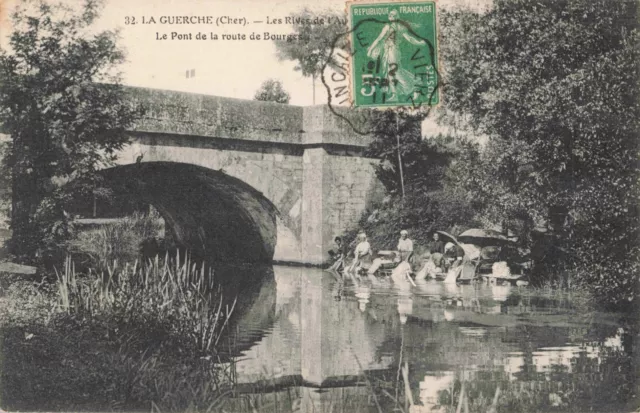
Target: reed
121,240
173,292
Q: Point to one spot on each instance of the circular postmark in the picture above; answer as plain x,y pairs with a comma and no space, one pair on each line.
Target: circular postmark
387,59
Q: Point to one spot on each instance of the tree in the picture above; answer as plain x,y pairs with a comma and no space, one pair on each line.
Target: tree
272,91
5,185
66,112
429,203
312,50
423,161
554,84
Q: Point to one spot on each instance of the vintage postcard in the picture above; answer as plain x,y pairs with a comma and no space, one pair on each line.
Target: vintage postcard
319,206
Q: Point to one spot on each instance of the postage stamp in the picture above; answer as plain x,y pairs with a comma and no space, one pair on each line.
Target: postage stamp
395,54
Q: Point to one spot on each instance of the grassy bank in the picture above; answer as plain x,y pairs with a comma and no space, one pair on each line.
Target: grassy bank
130,338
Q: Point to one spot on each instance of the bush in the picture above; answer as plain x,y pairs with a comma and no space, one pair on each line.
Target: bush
430,202
63,105
419,213
562,147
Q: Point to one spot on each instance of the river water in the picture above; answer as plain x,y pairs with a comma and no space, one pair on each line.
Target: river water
307,340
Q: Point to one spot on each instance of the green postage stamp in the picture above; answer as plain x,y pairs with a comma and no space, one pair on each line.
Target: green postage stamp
395,54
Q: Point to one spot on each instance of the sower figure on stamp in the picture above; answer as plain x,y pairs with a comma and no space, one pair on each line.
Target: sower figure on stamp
386,47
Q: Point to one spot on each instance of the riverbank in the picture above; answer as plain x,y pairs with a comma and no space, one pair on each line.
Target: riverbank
83,344
516,338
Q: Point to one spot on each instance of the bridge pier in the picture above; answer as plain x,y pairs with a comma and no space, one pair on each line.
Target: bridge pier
314,232
306,161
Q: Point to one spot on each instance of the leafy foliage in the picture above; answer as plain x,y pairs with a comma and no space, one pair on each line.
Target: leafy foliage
420,213
176,293
130,339
61,102
430,203
424,161
121,242
5,185
554,84
271,90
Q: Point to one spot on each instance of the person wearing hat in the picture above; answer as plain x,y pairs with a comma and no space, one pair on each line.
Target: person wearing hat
361,254
402,253
405,246
453,255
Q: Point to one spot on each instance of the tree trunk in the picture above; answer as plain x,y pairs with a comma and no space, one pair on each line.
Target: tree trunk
313,82
399,156
24,204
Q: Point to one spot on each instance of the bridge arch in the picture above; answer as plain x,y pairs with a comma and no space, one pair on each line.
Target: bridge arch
213,214
307,162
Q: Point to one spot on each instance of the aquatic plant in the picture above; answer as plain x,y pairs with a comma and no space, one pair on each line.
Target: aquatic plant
69,354
175,293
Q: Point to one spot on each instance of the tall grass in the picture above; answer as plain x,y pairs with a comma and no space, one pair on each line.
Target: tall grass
175,293
130,338
119,241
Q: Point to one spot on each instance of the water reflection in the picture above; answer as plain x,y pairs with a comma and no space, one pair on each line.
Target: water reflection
310,341
253,288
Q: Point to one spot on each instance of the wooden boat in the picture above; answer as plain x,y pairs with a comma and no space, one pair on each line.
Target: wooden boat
513,279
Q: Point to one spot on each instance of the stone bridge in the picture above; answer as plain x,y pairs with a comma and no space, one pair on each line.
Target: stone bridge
246,180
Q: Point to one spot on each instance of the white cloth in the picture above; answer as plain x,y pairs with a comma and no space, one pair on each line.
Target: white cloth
405,245
453,274
428,270
363,248
401,272
470,251
500,269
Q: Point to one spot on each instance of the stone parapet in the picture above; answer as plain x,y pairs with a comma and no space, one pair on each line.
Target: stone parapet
181,113
184,113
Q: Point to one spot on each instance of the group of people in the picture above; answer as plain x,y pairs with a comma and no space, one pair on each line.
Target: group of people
363,254
438,258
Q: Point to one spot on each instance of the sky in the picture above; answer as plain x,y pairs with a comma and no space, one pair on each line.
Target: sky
222,68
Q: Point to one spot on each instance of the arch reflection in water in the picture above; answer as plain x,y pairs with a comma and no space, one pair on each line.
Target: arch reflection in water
252,291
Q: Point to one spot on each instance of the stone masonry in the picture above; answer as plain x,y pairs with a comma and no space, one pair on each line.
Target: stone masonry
305,160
